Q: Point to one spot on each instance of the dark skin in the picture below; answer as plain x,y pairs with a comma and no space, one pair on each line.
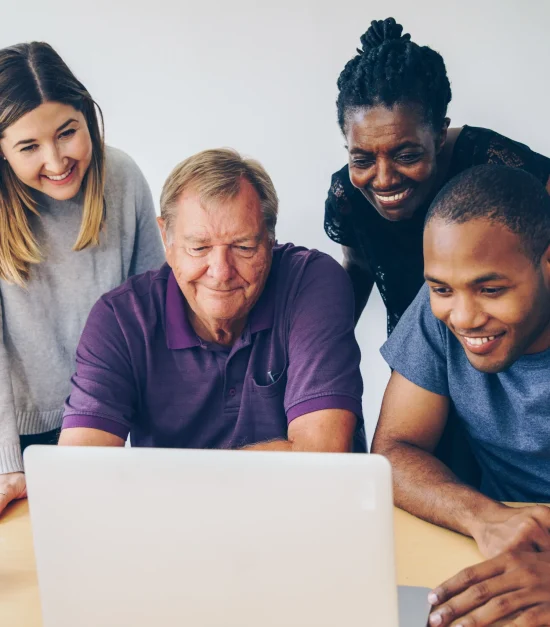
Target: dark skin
394,151
478,291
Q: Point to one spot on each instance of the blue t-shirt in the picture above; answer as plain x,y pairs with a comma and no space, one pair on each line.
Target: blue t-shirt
506,415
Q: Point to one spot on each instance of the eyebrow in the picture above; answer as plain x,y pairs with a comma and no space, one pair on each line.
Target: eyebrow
484,278
191,239
402,146
30,141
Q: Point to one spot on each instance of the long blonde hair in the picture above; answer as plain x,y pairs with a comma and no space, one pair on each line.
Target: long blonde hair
30,75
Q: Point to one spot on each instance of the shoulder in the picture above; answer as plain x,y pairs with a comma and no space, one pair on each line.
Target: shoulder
144,288
477,146
293,262
120,167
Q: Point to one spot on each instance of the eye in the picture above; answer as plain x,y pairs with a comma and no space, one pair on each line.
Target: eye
198,251
362,163
30,148
441,291
246,251
492,291
68,133
409,157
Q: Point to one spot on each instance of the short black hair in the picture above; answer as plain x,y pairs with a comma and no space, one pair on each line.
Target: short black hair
390,69
504,195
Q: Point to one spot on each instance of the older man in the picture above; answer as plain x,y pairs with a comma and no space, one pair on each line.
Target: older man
235,343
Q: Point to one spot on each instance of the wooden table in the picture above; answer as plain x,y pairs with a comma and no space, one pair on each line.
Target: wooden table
426,556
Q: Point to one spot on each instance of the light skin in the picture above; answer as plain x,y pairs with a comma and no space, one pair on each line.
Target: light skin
221,257
478,291
52,140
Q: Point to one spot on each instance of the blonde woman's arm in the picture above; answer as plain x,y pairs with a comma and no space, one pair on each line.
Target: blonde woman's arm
12,479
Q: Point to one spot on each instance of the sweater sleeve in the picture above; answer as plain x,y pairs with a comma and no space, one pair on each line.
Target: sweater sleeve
11,459
148,248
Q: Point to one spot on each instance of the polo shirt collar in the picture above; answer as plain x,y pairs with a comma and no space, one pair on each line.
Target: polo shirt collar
180,333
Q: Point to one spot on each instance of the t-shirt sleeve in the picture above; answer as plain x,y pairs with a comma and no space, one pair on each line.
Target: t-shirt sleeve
323,354
417,347
103,393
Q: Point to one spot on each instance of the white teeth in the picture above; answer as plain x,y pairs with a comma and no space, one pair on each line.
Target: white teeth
478,341
61,176
393,198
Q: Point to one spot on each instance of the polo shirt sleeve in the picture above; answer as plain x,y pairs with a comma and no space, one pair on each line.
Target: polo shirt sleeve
323,355
417,346
103,393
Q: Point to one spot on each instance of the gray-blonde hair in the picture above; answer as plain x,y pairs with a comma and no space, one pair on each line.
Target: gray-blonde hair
216,175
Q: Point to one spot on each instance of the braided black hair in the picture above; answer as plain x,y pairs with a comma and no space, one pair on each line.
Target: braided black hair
508,196
390,69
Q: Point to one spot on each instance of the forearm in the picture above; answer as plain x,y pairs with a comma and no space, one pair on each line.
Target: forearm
271,445
427,489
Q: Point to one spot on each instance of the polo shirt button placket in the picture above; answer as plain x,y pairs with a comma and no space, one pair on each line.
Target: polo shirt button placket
232,392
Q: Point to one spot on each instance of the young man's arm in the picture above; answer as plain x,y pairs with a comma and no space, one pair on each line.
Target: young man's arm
410,426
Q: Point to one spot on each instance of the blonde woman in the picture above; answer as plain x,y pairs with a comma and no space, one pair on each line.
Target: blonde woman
76,219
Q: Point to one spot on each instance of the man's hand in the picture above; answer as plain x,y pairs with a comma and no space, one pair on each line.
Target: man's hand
12,486
515,586
507,528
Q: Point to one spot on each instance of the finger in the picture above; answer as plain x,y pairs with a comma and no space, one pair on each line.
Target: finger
530,535
4,500
479,595
536,616
542,515
467,578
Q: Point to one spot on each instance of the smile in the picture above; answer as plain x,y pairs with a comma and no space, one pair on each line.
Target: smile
482,345
61,177
393,198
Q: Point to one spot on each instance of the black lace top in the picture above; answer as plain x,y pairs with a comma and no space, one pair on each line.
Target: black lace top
393,250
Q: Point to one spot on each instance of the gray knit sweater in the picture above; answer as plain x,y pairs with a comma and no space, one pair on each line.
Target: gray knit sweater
40,326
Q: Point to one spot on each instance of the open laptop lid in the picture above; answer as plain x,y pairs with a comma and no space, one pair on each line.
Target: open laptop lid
147,537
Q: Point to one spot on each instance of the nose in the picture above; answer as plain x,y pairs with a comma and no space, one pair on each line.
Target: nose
385,178
466,314
220,265
55,163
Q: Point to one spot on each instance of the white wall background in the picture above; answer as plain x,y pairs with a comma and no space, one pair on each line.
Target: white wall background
177,76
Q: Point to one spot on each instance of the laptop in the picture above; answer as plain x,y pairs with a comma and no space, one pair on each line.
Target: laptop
147,537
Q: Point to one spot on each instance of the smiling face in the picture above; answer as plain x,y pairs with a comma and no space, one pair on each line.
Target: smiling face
221,257
393,158
487,291
49,149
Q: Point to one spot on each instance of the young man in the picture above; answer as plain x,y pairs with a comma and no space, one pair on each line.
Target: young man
477,338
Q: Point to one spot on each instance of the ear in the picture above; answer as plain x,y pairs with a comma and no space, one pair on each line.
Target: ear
442,135
545,264
162,227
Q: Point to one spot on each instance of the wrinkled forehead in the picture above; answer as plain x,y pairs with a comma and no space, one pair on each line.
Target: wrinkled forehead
222,219
463,252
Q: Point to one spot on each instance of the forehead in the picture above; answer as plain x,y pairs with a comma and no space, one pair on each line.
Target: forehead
462,252
380,128
45,119
227,219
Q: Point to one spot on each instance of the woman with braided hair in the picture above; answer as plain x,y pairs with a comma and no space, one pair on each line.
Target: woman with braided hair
392,106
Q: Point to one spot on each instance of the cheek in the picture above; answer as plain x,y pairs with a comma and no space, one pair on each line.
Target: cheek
440,308
359,178
81,148
26,167
419,172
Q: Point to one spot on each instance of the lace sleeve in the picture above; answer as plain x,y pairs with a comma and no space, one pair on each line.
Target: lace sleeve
339,210
480,145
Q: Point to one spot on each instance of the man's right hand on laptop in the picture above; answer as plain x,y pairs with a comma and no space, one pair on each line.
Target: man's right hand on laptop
12,486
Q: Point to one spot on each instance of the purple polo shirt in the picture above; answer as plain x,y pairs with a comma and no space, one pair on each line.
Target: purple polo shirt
142,369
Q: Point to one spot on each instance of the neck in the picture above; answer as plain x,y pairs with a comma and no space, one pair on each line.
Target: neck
223,332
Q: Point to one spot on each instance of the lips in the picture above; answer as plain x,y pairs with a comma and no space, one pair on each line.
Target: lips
392,199
481,345
62,178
